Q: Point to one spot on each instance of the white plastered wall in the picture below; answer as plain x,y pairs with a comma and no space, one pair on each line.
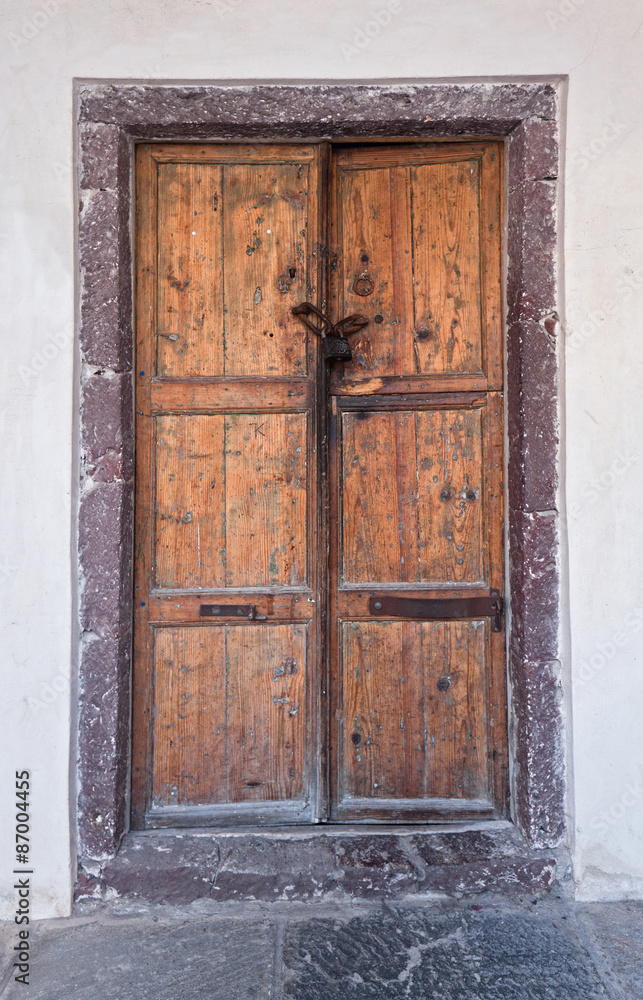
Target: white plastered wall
597,45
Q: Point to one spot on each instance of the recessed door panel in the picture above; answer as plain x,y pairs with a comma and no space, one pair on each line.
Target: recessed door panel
414,724
232,259
412,489
229,714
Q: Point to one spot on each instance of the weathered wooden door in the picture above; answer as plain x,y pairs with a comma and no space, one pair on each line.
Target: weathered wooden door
418,716
282,504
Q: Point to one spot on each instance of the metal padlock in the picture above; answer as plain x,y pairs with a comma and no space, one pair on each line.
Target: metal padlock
334,346
336,349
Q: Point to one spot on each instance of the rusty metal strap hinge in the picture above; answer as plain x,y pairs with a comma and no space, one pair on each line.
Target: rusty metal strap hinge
441,608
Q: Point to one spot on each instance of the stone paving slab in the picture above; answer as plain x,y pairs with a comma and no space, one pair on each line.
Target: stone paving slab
150,959
616,931
415,955
492,949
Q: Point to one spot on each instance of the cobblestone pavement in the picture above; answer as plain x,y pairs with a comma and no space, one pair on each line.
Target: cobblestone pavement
485,949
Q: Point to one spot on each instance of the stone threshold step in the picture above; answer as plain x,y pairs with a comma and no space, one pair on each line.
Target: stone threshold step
321,863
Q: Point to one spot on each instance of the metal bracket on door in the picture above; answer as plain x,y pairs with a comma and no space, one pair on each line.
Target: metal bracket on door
229,611
441,608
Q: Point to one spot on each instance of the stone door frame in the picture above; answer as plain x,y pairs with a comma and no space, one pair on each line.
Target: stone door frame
111,117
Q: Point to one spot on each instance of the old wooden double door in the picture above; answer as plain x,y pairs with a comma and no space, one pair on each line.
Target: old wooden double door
297,520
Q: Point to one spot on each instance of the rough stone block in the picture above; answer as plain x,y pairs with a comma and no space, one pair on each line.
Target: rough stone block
358,109
404,953
532,366
274,868
106,427
164,868
473,862
105,532
103,745
148,958
100,327
539,753
99,230
541,158
375,867
99,156
534,585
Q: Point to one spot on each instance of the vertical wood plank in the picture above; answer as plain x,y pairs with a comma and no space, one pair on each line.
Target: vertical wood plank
454,662
190,716
491,198
266,496
451,487
446,266
190,530
266,711
266,218
380,506
190,274
374,243
383,733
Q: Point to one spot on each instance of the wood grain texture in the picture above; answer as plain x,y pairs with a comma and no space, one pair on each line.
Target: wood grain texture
414,723
383,738
266,235
190,716
230,712
413,482
423,238
266,711
266,500
234,257
446,267
190,270
231,495
379,503
190,523
454,659
227,395
145,329
374,231
451,485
